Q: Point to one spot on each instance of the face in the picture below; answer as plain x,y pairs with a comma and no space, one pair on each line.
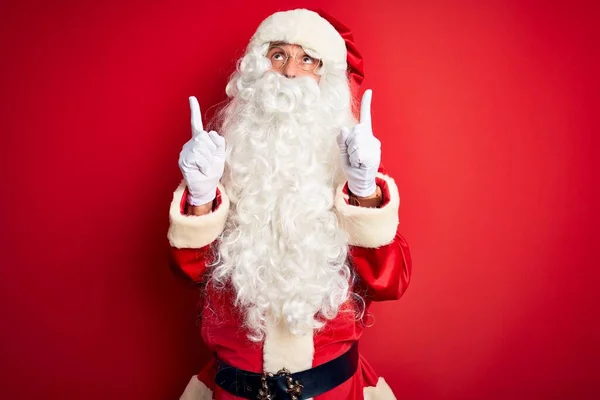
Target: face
292,61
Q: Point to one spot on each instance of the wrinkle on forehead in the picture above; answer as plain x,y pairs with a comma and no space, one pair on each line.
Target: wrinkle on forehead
284,44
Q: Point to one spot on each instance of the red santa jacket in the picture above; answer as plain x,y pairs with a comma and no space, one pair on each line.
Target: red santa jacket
379,255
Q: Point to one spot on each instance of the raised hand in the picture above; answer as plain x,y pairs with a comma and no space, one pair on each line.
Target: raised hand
202,160
360,152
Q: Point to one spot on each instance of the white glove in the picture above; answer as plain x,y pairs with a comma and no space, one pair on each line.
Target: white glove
361,152
202,160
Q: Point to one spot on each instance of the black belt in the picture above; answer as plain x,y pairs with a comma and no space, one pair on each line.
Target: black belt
285,385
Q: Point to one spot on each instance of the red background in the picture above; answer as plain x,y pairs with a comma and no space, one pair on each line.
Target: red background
487,114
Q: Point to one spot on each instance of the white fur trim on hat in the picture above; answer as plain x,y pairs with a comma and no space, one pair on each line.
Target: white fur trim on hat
304,28
196,390
195,231
369,227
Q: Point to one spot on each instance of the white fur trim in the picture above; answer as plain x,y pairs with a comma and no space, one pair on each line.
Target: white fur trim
282,349
304,28
380,392
191,231
369,227
196,390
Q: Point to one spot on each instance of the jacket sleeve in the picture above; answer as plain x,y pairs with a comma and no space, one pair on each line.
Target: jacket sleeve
191,237
378,252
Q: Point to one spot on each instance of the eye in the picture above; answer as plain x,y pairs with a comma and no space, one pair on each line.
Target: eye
278,57
276,54
307,60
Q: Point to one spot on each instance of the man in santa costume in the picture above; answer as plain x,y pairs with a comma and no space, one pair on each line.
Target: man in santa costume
287,221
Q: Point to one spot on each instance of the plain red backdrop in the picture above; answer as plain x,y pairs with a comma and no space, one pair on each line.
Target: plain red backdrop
487,114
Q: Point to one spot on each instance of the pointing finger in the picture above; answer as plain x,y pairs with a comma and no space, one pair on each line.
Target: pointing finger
365,108
196,117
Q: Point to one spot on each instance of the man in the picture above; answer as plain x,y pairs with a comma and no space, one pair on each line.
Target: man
287,221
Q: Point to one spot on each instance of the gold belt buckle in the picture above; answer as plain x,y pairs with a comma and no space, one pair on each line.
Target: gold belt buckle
293,388
264,393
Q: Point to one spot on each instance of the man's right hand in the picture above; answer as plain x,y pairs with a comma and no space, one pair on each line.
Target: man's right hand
202,160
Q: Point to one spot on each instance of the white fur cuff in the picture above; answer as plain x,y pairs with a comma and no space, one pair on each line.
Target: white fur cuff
380,392
191,231
369,227
196,390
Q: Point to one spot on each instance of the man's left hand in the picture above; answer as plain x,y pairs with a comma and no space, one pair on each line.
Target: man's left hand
360,151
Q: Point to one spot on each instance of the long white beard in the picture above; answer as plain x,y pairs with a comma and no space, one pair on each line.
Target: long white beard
283,250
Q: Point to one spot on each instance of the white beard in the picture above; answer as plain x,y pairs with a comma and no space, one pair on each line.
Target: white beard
282,249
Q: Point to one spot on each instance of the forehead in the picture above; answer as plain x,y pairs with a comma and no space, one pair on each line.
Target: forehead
286,46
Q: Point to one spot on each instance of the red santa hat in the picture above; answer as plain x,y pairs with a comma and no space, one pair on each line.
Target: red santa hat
317,31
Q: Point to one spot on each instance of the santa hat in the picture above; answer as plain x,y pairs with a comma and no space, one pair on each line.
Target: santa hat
317,31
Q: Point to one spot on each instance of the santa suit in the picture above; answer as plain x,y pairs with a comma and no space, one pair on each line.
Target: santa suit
378,254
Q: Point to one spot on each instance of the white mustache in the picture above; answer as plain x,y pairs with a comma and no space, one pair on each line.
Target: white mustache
275,93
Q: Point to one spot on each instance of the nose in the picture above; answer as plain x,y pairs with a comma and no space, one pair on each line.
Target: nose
290,69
